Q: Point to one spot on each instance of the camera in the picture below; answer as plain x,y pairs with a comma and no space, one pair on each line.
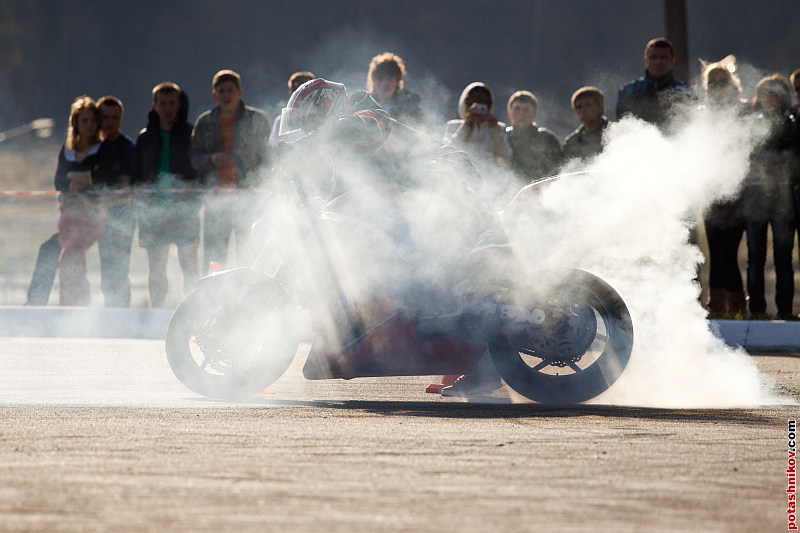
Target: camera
480,109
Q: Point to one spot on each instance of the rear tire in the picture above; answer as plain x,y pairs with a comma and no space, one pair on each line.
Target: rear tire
222,348
584,352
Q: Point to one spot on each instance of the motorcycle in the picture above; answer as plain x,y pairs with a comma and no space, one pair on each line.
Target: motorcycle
556,336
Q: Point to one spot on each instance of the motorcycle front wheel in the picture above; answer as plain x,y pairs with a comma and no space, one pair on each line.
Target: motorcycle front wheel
228,343
578,351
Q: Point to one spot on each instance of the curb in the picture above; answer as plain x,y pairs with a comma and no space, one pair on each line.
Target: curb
766,335
140,323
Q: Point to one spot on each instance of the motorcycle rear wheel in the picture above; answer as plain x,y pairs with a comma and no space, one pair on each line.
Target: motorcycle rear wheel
222,348
586,360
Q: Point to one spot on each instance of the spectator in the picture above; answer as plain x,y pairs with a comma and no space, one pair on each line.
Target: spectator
794,79
385,84
654,97
295,80
162,161
82,217
229,153
767,196
724,219
482,136
44,271
588,103
535,151
478,132
115,243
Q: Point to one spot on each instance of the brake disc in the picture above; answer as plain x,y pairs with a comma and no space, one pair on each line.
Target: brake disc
566,334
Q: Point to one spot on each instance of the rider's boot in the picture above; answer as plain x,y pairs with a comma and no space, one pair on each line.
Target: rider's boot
485,380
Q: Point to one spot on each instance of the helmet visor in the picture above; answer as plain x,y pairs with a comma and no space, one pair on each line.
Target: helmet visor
289,127
311,105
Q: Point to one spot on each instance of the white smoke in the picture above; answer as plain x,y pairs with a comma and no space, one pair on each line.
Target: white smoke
628,220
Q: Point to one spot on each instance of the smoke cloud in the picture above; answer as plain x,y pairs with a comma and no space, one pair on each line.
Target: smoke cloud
628,219
625,216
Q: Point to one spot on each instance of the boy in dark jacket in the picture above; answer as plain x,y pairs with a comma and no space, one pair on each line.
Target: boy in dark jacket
535,151
588,103
161,162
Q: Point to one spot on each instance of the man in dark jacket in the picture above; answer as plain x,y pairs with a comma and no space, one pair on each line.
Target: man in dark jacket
654,96
115,243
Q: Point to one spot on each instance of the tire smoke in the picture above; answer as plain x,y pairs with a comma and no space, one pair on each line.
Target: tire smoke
629,218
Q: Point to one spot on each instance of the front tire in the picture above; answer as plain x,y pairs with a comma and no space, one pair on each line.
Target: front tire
221,344
580,350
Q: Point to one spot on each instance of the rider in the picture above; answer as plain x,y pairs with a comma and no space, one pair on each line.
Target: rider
321,120
356,134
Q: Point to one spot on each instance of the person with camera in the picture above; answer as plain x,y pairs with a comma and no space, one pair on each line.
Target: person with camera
478,132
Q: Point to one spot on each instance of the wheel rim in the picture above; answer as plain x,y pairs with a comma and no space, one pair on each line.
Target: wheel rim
223,354
553,378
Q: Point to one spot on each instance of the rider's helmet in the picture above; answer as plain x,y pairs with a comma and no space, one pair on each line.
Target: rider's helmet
312,105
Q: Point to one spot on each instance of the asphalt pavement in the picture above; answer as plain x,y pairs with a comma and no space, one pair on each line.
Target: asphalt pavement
97,435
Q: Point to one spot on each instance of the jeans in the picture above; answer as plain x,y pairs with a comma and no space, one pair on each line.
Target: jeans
78,228
223,217
44,273
769,205
115,255
725,227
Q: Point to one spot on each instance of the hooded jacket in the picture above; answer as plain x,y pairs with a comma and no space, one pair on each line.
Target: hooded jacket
480,141
147,153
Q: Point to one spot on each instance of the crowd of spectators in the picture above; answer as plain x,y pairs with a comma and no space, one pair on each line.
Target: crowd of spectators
190,181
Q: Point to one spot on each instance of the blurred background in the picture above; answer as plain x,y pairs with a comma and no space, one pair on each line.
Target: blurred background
54,50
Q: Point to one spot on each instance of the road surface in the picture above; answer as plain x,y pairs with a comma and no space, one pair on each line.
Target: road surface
97,435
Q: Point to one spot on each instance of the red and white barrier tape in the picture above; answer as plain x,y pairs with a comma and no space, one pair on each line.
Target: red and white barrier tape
28,193
135,191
